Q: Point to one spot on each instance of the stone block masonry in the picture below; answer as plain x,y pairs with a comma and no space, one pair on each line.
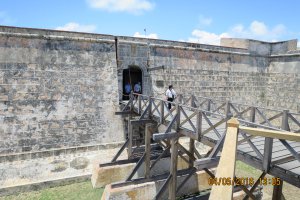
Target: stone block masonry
56,91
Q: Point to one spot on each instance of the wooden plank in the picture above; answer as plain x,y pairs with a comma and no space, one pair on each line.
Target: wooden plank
284,135
226,167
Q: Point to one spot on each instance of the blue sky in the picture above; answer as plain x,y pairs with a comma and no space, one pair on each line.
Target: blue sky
184,20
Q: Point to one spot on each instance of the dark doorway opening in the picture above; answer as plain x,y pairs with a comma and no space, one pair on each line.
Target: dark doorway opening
132,75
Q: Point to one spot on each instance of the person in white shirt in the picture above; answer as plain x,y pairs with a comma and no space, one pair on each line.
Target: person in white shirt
171,95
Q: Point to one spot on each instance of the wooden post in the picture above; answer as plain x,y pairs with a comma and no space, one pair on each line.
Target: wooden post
139,104
277,189
227,110
285,120
226,167
131,100
199,125
148,132
193,104
192,151
173,169
252,115
208,104
178,116
162,112
150,107
130,137
180,98
267,154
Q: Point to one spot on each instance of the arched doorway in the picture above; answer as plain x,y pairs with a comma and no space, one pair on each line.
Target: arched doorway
132,75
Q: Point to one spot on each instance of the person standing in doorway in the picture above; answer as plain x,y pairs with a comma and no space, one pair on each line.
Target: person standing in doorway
171,95
127,89
137,89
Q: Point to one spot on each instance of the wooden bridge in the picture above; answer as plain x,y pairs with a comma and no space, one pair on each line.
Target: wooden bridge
264,138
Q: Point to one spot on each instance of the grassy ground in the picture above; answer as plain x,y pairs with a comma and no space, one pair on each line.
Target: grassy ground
78,191
84,190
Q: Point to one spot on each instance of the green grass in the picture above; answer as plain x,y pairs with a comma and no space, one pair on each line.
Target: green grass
78,191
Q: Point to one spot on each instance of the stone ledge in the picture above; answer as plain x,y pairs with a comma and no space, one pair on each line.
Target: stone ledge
57,152
41,185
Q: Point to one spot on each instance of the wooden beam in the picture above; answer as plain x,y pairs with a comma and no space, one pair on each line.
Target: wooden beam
226,167
206,163
284,135
161,136
141,121
123,113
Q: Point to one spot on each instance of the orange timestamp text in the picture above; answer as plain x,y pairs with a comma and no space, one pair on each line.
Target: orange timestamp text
231,181
243,181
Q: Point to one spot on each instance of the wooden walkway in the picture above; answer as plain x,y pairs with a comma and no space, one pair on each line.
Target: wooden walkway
204,120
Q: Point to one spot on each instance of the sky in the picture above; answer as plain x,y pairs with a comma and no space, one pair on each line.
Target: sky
181,20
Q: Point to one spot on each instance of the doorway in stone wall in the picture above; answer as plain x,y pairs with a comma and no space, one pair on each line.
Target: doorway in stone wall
132,75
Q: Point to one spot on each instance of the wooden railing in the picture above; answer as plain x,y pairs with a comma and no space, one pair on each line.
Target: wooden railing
187,117
226,165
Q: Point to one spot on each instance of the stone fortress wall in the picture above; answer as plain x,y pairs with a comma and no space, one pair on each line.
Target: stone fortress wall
59,90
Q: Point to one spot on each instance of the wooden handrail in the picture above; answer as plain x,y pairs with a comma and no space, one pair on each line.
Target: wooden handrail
284,135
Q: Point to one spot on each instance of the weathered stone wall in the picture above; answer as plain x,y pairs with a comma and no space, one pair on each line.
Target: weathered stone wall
57,90
234,75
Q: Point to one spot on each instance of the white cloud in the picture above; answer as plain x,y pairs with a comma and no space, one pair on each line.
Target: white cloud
151,35
205,20
131,6
205,37
256,30
72,26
